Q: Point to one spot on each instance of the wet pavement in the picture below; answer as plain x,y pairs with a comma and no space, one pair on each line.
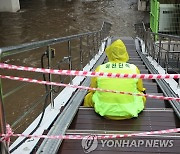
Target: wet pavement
46,19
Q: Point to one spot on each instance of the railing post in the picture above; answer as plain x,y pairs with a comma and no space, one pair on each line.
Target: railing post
155,46
3,146
167,55
159,52
50,75
81,56
89,49
178,62
145,40
2,112
94,47
100,35
151,54
70,58
103,31
97,40
148,42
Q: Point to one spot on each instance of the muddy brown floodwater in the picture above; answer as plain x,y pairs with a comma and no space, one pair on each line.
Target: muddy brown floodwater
46,19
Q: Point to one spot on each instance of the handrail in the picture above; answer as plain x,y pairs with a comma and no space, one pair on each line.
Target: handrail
97,37
160,34
166,35
6,51
157,43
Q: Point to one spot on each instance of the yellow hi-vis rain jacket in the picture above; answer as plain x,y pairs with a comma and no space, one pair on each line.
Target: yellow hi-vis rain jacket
113,105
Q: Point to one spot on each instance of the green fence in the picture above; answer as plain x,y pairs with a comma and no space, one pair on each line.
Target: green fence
154,16
165,16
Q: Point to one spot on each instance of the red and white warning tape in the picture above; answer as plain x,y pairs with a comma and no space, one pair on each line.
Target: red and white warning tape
92,74
86,88
6,137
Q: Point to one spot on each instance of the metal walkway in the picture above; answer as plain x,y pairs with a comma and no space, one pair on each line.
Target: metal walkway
64,113
158,115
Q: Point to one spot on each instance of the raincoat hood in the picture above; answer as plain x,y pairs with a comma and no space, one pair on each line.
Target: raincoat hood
117,52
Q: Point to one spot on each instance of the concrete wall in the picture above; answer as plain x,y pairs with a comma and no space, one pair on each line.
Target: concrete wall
9,5
142,5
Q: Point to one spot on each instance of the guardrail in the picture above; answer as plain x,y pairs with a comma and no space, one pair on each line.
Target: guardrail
165,49
79,50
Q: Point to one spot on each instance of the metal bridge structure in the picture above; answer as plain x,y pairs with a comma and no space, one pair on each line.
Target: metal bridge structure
64,113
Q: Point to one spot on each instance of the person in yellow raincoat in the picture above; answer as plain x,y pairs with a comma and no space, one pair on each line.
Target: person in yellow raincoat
113,105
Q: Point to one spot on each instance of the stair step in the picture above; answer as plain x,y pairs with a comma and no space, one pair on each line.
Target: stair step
125,146
151,88
144,71
137,62
135,58
148,120
126,40
155,103
154,117
107,132
130,48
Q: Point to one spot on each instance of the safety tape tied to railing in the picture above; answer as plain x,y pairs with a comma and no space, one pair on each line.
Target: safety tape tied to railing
9,133
85,88
92,74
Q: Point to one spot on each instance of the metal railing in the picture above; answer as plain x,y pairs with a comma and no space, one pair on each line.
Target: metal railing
79,50
165,49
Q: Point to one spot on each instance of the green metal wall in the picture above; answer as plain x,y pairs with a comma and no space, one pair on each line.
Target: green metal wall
154,15
157,15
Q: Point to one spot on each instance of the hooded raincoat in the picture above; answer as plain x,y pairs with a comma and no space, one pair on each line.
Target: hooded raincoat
112,105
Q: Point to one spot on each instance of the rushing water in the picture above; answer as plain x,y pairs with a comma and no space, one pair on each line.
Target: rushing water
46,19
